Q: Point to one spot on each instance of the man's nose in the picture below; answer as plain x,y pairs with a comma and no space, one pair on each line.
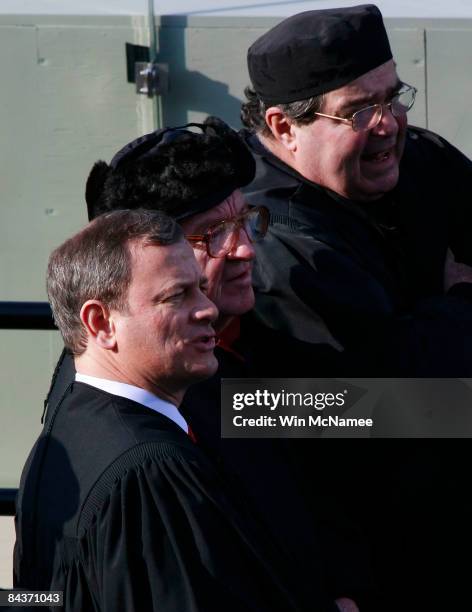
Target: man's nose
206,310
388,123
243,247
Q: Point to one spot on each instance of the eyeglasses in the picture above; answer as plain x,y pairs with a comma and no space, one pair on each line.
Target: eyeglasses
221,238
369,117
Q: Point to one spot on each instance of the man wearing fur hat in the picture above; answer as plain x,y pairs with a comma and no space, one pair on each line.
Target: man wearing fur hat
118,508
194,176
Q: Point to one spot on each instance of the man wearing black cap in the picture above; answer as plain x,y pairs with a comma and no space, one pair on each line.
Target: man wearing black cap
365,272
366,211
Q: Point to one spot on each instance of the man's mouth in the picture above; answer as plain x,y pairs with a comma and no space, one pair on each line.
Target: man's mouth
378,156
205,342
241,274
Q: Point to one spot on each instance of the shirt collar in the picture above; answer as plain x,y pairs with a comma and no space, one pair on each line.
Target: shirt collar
136,394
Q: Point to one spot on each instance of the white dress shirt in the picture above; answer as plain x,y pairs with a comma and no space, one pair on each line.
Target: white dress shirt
136,394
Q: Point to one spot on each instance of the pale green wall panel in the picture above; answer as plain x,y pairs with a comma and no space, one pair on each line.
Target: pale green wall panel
19,158
24,378
64,103
208,70
409,53
450,85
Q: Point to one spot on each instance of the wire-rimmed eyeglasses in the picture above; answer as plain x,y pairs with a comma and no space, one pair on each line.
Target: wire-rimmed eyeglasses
369,117
221,238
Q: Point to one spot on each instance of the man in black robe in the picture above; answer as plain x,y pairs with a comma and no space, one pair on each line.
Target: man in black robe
118,508
365,271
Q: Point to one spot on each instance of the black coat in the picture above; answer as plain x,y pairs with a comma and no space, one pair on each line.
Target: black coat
359,287
354,289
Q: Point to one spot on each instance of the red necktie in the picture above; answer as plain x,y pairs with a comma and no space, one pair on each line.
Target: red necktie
191,435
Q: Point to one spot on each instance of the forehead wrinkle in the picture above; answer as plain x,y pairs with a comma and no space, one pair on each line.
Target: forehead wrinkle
209,218
221,212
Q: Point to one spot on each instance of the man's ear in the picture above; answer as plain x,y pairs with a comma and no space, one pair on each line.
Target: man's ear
95,317
281,127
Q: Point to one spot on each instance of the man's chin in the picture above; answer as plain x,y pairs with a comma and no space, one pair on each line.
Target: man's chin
236,304
202,371
374,188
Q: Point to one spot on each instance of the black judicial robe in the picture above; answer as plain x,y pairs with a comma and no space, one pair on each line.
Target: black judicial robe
120,510
321,547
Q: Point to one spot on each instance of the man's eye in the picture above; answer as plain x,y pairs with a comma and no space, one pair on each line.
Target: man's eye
175,296
359,109
218,230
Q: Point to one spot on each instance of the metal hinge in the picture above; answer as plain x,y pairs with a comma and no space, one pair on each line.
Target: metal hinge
152,79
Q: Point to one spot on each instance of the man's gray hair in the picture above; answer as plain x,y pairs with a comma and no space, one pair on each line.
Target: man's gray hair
95,264
301,112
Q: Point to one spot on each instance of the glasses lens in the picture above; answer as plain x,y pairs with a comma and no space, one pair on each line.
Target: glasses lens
224,236
221,240
403,101
256,222
366,118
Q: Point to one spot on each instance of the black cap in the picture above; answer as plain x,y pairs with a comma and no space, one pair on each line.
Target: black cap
317,51
175,170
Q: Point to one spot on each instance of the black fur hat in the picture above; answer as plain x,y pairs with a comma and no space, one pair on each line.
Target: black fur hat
174,170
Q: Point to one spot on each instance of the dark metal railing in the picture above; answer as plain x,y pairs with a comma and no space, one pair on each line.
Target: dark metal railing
7,501
26,315
21,315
